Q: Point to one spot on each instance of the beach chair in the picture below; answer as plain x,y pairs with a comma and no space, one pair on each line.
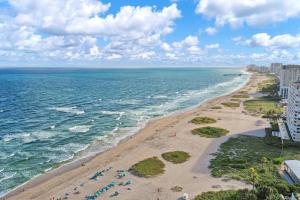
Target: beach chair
129,182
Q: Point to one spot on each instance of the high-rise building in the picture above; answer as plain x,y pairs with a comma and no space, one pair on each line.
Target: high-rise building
288,74
293,111
275,68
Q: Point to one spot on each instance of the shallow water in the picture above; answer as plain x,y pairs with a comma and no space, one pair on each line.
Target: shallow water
49,116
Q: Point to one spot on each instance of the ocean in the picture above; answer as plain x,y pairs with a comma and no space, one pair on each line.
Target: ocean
52,116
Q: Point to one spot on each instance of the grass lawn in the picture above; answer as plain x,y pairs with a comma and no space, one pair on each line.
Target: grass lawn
256,161
231,104
216,107
210,132
148,167
176,157
203,120
262,106
240,96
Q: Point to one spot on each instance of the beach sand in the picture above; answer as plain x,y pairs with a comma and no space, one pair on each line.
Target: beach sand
161,135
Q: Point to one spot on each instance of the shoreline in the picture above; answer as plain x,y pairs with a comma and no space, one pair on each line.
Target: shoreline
127,143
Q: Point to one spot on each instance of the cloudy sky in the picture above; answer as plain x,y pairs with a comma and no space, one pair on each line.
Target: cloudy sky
154,33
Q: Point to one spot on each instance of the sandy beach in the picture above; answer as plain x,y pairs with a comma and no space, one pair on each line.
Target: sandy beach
161,135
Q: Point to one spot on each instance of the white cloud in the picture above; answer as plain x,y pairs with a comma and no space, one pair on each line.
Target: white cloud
194,50
211,30
250,12
144,55
274,42
84,17
187,42
172,56
212,46
71,29
166,47
186,49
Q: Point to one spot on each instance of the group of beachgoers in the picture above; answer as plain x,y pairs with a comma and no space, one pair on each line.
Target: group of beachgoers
120,174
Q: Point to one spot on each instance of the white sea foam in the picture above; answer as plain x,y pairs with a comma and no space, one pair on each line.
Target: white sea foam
7,175
63,158
105,112
127,101
73,110
80,129
1,110
48,169
29,137
159,97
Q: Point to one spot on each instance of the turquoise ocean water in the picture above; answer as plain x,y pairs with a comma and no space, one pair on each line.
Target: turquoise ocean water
49,116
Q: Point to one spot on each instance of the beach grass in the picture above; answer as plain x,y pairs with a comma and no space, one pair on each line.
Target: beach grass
176,157
236,100
262,106
203,120
216,107
257,162
243,92
231,104
148,168
240,96
210,132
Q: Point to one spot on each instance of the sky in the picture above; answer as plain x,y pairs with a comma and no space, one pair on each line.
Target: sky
148,33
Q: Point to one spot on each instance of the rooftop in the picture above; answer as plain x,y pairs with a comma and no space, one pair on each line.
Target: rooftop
294,165
290,66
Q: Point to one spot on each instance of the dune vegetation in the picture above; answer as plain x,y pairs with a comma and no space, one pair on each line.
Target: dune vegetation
148,168
176,157
231,104
203,120
210,132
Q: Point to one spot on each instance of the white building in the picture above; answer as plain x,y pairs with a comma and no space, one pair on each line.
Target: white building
292,168
293,111
288,74
275,68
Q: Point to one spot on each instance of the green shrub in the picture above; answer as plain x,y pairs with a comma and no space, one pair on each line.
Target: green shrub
228,195
210,132
216,107
240,96
231,104
176,156
148,167
203,120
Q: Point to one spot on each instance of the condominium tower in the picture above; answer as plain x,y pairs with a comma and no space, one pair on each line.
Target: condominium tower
275,68
293,110
288,74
